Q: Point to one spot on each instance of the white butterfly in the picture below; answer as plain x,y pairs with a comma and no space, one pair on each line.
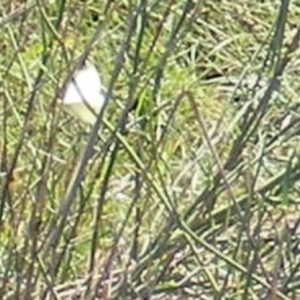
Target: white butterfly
84,94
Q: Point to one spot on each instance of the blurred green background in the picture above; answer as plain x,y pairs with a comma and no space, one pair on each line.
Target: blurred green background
189,190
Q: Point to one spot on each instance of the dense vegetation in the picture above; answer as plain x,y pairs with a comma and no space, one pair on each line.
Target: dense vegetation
187,188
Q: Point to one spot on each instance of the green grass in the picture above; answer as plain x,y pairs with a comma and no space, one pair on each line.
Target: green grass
194,194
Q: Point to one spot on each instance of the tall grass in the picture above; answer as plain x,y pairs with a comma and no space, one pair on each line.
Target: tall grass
186,187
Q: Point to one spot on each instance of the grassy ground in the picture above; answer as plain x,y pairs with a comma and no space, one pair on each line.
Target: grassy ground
191,195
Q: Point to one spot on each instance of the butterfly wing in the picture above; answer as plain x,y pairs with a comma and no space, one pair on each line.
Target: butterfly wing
83,95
